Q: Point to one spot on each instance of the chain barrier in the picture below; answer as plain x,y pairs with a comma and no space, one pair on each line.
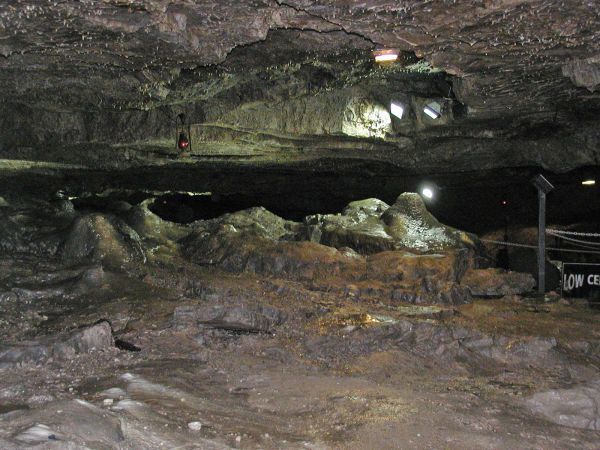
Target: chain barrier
555,249
571,233
575,241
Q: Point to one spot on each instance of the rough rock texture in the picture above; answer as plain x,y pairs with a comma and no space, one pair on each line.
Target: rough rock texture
101,238
584,72
149,225
98,85
251,318
425,264
496,282
79,425
576,406
370,226
94,338
258,241
34,229
415,228
456,345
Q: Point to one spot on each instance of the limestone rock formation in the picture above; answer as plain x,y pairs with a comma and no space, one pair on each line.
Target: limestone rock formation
34,228
150,226
85,88
418,261
414,228
370,226
358,227
102,238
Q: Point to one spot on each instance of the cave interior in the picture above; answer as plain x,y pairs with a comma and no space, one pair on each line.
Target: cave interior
294,224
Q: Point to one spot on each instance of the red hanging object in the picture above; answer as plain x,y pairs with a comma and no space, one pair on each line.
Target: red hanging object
183,134
183,142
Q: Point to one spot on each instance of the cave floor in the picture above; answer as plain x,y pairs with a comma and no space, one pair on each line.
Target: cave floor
334,375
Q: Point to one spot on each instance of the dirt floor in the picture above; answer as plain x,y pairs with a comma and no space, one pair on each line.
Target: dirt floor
339,372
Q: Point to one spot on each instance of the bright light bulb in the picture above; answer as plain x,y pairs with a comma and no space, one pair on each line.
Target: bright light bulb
386,55
397,110
588,182
427,192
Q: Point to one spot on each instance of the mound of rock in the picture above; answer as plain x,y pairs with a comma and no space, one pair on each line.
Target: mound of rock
150,226
496,282
102,238
371,226
258,241
399,251
359,227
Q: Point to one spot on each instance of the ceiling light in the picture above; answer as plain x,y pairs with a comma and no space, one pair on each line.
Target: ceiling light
588,182
433,110
386,55
427,192
397,110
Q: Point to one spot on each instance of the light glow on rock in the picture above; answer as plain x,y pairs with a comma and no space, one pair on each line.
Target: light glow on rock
397,110
366,118
433,110
386,55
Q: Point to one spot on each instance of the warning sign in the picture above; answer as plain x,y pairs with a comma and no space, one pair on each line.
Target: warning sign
581,281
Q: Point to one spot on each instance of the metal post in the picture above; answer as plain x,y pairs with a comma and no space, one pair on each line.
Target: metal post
541,256
543,187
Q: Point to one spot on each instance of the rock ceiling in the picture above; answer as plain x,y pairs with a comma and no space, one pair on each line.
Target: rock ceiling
523,78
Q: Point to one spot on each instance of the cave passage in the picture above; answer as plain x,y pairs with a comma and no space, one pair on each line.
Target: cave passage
473,202
291,224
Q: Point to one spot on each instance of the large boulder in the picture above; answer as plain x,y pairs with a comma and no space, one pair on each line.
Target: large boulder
359,227
102,238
